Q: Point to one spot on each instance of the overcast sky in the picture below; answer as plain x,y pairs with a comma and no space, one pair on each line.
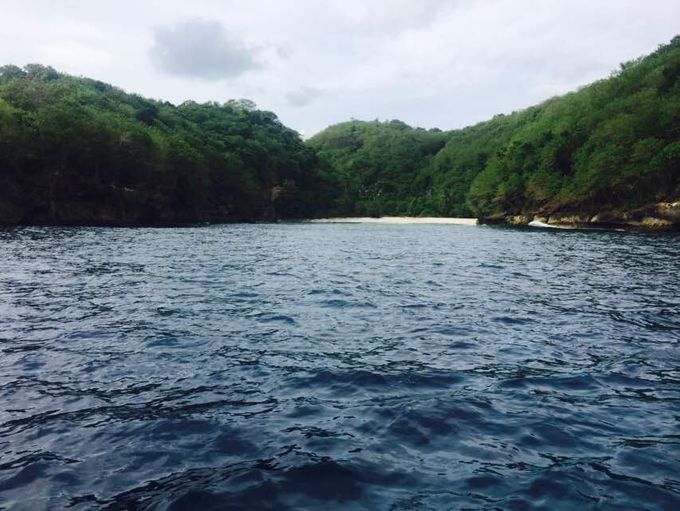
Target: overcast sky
430,63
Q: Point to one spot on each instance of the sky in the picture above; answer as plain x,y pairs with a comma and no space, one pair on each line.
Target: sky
430,63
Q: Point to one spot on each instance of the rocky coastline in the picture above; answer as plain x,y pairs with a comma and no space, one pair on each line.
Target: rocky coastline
661,216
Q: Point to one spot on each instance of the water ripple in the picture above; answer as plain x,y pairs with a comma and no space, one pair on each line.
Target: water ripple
341,366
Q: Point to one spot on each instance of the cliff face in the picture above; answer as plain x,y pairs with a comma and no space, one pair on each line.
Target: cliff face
122,206
24,204
659,216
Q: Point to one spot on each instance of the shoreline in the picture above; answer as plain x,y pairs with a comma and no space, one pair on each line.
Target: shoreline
396,220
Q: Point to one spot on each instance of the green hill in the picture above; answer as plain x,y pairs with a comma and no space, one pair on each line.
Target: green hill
79,151
378,165
611,148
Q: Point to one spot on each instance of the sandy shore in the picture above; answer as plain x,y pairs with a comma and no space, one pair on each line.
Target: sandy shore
396,220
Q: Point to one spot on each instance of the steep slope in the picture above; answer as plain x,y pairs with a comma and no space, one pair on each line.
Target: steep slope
611,147
79,151
608,153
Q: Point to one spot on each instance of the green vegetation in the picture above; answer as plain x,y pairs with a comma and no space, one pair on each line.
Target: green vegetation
389,168
613,144
378,165
74,150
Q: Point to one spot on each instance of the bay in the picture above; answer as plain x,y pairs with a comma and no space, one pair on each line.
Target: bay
349,366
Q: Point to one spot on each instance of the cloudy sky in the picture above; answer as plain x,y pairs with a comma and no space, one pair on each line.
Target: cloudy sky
431,63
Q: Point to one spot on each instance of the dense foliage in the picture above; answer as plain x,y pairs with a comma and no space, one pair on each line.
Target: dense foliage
74,150
613,144
378,165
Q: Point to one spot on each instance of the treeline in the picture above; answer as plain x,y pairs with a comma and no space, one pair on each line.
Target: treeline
613,144
75,150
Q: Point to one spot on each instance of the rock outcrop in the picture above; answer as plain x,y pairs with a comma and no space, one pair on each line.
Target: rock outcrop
659,216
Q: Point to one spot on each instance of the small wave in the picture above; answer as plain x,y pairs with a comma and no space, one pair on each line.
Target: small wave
304,366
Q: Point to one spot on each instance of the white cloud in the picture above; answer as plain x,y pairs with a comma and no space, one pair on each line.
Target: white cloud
303,96
200,48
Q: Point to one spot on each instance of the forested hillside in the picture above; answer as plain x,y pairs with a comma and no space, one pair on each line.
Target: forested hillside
612,147
379,166
79,151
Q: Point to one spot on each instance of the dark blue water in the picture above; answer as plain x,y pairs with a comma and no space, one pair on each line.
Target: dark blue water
339,367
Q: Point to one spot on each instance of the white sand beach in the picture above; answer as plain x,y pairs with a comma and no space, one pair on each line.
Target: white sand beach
396,220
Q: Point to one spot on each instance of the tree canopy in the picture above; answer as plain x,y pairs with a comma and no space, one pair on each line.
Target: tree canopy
75,150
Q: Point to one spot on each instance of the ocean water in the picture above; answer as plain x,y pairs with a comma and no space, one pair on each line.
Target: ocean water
300,366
